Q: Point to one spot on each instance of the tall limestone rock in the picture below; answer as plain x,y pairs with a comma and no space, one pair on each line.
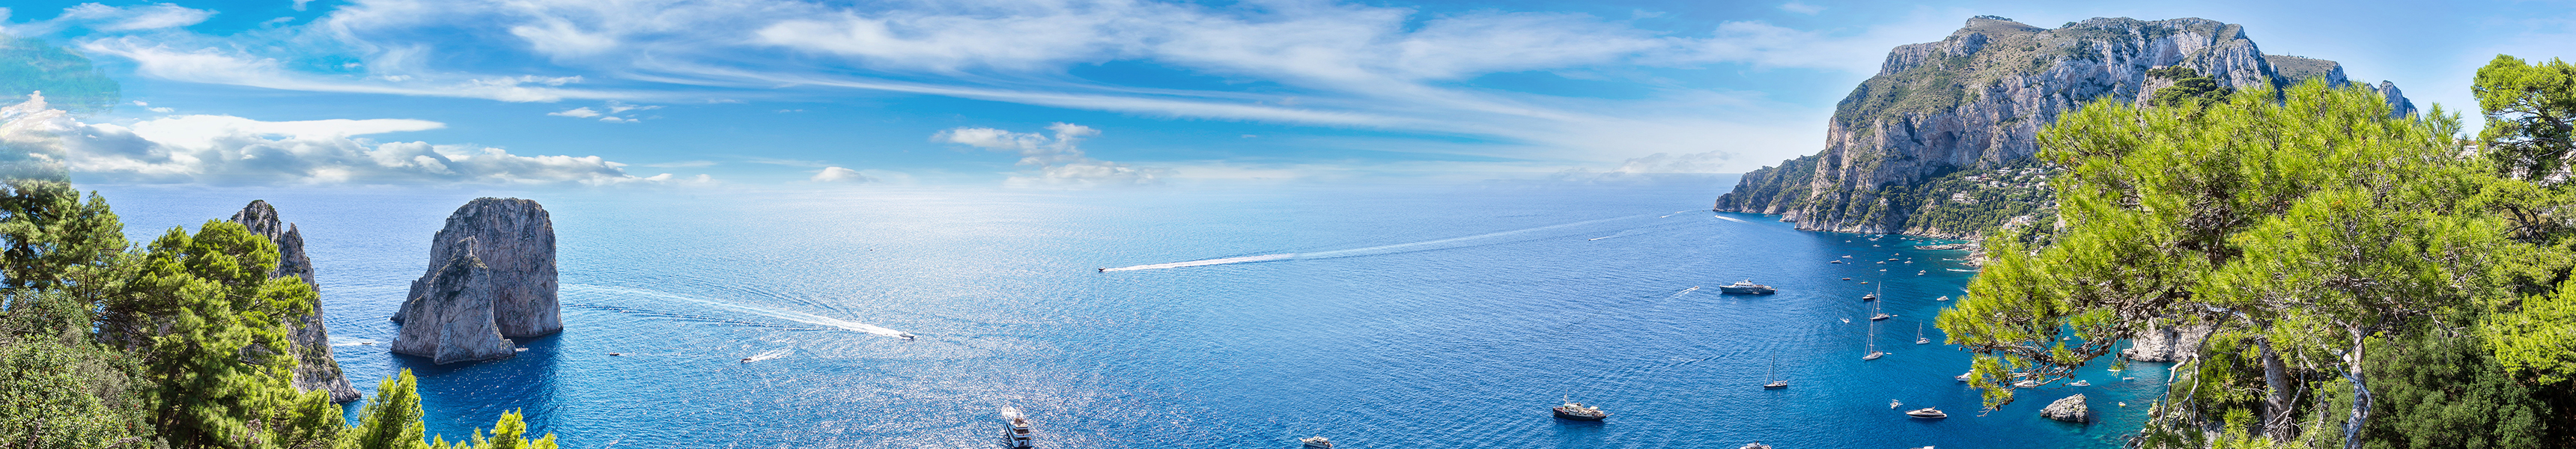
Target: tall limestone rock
491,277
315,369
1939,142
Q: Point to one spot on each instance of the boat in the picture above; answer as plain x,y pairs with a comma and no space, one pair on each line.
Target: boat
1880,317
1944,298
907,336
1836,261
1016,433
1892,404
1774,377
1579,412
1846,279
1963,377
1873,339
1927,412
1755,445
2081,383
1746,287
1873,296
1316,442
1918,335
2026,384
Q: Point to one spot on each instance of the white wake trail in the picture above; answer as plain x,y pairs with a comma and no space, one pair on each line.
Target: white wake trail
768,355
1727,218
789,315
1427,245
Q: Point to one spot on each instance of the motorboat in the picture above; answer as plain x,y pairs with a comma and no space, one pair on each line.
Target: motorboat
1927,412
1746,287
1579,412
1944,298
1880,317
1963,377
2081,383
2026,384
1836,261
1755,445
1892,404
907,336
1316,442
1017,434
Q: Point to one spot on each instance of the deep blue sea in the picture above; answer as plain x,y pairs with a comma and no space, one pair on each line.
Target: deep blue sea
1382,316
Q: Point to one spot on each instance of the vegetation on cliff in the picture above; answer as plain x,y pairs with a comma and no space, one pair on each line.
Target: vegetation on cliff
2375,279
179,343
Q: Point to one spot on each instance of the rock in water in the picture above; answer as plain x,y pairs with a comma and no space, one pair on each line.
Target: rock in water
450,316
315,369
491,277
2071,409
1946,129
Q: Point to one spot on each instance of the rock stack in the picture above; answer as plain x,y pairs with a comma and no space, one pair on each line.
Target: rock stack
2071,409
315,369
491,277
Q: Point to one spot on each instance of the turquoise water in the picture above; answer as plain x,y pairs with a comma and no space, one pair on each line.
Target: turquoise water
1385,316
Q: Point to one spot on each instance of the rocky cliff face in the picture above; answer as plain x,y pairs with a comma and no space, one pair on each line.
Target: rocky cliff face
315,369
1967,110
491,277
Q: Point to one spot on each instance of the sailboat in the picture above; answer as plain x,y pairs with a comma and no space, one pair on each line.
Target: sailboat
1774,377
1918,335
1873,339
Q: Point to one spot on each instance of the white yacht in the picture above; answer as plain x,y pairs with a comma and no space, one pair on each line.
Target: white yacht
1746,287
1316,442
1927,412
1017,434
2081,383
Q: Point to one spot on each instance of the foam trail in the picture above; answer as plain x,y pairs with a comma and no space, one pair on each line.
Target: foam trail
1686,291
769,355
1727,218
1201,263
1369,251
789,315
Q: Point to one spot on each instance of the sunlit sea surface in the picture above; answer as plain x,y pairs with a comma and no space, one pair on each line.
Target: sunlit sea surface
1386,316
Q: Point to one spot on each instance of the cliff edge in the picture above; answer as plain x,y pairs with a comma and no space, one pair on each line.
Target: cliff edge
315,369
491,277
1939,142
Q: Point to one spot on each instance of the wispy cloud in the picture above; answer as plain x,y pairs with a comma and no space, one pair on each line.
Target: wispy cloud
214,149
1057,160
1801,8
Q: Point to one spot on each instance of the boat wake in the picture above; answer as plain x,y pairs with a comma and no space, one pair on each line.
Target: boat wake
1733,219
789,315
1686,291
772,354
1427,245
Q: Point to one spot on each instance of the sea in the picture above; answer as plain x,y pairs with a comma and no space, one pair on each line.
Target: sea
1377,314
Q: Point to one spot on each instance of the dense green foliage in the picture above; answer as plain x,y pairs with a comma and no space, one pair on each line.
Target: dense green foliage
2371,281
2189,88
180,343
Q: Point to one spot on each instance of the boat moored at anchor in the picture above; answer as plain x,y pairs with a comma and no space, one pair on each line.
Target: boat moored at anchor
1746,287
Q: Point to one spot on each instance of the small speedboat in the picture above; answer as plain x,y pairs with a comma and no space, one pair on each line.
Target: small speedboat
1927,412
1963,377
1944,298
907,336
1892,404
2081,383
2026,384
1316,442
1579,412
1755,445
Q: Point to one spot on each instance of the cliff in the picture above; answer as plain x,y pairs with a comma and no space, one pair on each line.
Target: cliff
315,369
1939,142
491,277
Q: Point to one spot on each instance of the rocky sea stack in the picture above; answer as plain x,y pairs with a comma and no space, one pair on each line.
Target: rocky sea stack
315,369
491,277
1939,142
2071,409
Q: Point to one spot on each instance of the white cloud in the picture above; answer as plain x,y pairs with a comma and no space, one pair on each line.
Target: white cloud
1057,159
148,107
233,150
1801,8
580,112
838,174
1708,162
618,120
221,66
145,17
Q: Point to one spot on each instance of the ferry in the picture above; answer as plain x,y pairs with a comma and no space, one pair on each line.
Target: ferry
1927,412
1746,287
1018,435
1579,412
1316,442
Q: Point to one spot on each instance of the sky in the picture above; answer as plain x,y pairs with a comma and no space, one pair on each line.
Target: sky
1069,93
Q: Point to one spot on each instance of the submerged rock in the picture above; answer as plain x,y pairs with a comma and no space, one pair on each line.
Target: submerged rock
315,369
491,277
2071,409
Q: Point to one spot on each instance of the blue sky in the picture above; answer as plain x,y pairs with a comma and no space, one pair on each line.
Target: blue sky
1071,93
